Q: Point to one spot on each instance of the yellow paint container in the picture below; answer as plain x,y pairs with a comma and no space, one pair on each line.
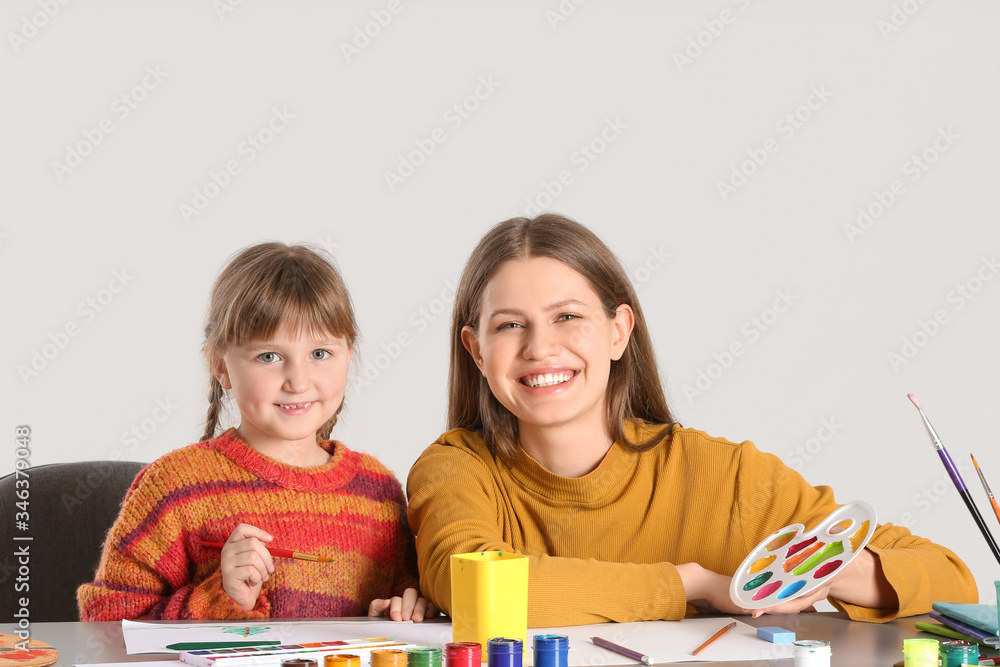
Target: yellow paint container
489,597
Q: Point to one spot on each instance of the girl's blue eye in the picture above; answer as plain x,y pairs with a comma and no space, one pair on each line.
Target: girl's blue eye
321,354
508,325
267,357
568,316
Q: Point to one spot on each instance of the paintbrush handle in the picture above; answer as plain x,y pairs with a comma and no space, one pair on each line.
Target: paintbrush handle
274,551
979,522
949,465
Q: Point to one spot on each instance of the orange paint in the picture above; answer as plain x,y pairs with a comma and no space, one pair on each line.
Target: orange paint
780,541
761,564
859,537
795,560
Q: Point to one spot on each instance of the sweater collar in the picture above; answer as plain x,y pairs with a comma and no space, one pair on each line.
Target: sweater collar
600,485
335,473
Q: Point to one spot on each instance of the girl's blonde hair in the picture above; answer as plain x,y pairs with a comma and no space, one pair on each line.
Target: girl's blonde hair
634,389
263,288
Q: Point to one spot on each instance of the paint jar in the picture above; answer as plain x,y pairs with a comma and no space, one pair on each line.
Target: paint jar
388,657
423,656
811,653
298,662
958,653
504,652
920,653
551,650
342,660
463,654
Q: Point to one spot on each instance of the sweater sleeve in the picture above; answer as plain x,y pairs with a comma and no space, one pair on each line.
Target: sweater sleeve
145,568
771,495
454,509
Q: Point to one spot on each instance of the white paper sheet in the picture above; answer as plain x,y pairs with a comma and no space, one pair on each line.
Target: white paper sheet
664,641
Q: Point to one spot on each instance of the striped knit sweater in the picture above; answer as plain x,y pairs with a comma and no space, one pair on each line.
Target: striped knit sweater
351,509
602,547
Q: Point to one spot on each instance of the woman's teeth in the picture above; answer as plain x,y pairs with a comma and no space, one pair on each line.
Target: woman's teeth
547,380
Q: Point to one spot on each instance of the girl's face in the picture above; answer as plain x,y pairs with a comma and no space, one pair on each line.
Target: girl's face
545,344
287,387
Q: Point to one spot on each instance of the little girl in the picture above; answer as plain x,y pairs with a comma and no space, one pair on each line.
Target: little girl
278,339
562,448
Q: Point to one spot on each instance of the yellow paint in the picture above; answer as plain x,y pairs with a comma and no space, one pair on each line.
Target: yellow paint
761,564
859,537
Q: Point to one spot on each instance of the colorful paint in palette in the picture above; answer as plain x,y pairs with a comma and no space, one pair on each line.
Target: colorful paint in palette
791,561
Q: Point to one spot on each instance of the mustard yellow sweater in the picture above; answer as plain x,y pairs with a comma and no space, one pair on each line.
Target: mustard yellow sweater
602,547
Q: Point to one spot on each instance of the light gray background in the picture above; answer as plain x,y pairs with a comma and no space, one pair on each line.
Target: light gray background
817,387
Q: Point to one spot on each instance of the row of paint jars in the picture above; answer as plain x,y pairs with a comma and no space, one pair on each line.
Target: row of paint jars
549,651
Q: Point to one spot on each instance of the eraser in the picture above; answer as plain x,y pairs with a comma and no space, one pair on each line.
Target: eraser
776,635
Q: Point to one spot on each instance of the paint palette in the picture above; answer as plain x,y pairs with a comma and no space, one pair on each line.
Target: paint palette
792,562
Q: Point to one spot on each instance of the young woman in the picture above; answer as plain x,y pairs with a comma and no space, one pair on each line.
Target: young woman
562,448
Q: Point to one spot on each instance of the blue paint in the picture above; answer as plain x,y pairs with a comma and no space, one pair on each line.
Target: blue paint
551,650
504,652
791,589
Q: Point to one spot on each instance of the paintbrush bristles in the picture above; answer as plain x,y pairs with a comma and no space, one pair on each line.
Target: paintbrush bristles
914,400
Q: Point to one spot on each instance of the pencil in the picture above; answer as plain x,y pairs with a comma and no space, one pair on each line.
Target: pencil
275,551
714,637
621,650
989,494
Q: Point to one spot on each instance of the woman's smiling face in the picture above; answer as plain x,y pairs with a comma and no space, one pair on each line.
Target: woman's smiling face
545,344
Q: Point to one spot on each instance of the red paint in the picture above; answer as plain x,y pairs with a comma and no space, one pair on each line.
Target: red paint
795,548
827,569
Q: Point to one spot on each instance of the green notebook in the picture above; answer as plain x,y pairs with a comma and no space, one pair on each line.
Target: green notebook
982,616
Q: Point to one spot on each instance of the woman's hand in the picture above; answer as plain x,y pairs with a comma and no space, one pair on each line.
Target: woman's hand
708,591
408,607
246,564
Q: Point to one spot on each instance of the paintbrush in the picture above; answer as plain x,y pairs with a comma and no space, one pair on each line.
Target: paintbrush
989,494
275,551
963,491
